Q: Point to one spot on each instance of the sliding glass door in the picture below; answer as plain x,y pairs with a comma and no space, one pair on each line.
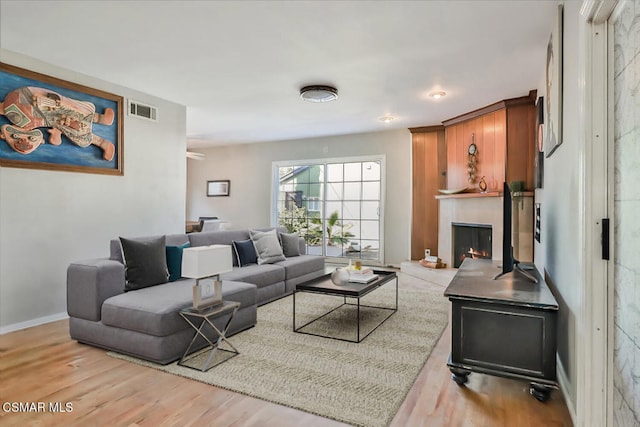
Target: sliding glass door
335,205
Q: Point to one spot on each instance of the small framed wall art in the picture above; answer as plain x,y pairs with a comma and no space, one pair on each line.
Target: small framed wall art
218,188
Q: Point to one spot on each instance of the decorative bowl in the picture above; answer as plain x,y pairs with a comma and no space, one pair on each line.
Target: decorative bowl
340,277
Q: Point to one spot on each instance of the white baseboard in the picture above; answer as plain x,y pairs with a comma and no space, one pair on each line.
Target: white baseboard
33,322
565,388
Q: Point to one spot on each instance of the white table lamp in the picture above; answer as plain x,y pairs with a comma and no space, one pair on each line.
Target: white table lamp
206,262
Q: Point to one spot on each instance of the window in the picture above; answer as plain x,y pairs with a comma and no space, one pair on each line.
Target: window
334,204
313,204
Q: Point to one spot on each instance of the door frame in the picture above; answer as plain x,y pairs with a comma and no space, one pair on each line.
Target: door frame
595,336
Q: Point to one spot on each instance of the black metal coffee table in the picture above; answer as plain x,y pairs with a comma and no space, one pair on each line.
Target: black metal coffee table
324,285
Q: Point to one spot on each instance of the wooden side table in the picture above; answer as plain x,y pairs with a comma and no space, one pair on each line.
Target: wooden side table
205,317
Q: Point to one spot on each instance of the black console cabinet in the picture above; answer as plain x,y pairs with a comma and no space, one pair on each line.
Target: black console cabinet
504,327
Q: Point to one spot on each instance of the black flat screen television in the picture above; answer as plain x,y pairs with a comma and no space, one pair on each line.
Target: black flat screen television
509,263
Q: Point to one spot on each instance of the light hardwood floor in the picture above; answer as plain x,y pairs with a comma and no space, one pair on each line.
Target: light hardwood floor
42,364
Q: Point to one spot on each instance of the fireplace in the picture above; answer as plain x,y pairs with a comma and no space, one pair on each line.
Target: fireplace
470,241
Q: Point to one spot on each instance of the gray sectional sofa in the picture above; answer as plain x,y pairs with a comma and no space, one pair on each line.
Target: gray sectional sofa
145,322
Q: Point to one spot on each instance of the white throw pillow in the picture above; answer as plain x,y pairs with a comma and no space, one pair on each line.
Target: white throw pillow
267,246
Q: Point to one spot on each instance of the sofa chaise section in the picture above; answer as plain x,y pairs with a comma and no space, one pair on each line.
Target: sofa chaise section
145,322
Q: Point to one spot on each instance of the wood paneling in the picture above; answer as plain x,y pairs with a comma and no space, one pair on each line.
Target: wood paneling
442,160
490,138
500,130
427,179
507,103
521,122
506,146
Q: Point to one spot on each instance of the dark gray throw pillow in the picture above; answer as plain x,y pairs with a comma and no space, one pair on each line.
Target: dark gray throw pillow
245,252
290,244
145,262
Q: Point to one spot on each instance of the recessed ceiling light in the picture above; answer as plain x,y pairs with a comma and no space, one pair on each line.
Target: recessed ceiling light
437,95
387,119
319,93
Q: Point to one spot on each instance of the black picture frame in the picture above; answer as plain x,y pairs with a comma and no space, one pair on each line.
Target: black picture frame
218,188
539,156
537,222
553,97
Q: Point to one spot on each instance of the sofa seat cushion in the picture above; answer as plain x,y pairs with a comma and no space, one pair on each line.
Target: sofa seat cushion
301,265
242,292
259,275
154,310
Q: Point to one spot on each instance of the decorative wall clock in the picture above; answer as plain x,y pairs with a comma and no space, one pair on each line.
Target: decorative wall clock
472,161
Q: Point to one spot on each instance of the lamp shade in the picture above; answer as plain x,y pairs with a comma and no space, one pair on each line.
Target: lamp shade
206,261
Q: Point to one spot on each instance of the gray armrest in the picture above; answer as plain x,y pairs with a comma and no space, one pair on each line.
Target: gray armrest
302,244
90,283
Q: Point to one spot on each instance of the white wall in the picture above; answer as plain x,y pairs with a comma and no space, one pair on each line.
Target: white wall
561,253
560,249
50,218
249,169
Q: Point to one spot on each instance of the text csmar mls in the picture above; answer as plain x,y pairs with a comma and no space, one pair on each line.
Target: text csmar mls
52,407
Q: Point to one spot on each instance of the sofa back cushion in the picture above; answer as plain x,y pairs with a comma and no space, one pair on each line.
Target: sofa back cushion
225,237
220,237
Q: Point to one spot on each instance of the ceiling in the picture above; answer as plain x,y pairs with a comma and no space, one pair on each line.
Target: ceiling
238,66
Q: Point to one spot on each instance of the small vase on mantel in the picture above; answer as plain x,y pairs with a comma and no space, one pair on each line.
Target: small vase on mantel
482,185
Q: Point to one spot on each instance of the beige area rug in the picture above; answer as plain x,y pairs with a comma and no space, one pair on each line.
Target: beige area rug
362,384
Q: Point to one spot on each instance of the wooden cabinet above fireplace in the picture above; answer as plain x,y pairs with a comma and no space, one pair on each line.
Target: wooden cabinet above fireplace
503,135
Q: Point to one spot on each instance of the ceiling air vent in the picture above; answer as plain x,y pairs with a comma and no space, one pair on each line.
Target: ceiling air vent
143,111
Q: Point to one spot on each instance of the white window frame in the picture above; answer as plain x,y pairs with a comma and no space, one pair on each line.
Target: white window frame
312,204
276,165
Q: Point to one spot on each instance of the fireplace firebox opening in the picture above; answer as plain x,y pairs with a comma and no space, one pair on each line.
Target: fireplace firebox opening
470,241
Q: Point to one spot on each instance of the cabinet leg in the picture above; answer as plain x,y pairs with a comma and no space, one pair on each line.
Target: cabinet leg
540,392
460,376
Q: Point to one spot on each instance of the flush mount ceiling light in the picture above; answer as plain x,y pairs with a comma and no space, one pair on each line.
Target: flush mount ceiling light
318,93
437,95
387,119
